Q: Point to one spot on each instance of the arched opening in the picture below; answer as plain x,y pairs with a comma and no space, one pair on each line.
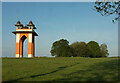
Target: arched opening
24,46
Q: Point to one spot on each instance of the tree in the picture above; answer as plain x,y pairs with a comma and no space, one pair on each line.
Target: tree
79,49
94,49
108,8
61,49
104,51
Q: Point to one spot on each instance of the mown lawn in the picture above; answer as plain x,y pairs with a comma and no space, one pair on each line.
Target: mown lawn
60,69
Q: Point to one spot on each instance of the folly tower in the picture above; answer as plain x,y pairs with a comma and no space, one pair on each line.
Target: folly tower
22,33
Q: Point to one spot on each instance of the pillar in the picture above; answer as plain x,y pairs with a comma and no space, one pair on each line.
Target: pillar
17,45
30,45
33,47
21,48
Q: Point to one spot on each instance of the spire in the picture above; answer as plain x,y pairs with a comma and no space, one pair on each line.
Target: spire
19,25
18,22
31,25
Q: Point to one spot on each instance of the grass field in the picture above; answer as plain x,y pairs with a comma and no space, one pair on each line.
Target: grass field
60,69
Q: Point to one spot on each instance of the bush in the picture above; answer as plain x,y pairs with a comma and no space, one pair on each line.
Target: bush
91,49
61,49
94,49
79,49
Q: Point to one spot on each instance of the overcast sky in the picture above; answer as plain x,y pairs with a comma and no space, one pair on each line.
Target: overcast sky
54,21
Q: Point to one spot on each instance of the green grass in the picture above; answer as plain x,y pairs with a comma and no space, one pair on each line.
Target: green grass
60,69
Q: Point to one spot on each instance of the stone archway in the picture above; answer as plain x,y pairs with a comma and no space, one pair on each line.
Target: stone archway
22,34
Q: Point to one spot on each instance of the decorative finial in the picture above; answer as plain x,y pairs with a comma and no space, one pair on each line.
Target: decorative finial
31,23
18,22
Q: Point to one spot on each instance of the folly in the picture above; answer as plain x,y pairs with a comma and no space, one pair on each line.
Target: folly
23,32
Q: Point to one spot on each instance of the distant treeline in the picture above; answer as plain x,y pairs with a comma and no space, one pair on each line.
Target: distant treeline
91,49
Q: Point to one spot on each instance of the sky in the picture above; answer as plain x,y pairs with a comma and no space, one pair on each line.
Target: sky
50,0
74,21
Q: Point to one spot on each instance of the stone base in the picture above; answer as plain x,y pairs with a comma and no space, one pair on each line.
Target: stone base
30,55
20,56
17,55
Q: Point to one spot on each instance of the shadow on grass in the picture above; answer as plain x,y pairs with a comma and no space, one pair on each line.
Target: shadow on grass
103,71
33,76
